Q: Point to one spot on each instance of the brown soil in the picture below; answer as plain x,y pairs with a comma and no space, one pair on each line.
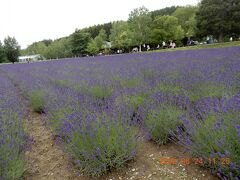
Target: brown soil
45,160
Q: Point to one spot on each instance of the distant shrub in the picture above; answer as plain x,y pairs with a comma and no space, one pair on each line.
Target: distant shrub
100,143
168,88
130,83
148,74
100,91
97,91
211,90
214,138
62,83
37,101
131,101
161,121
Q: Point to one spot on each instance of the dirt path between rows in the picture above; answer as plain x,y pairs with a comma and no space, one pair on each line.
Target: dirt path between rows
45,159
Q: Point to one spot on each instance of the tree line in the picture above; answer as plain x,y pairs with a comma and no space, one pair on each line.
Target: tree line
216,18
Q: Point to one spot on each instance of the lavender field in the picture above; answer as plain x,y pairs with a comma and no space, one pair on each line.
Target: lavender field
99,107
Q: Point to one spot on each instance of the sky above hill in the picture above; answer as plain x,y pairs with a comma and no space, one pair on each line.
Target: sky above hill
34,20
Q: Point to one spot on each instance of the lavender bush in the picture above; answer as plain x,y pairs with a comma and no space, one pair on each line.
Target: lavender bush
12,135
98,142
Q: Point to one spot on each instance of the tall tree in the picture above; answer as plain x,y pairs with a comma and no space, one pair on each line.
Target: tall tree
121,36
166,28
168,11
92,47
218,18
186,18
101,39
2,53
79,42
139,23
12,49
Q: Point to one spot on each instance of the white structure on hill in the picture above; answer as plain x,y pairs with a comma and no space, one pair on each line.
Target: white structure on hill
29,58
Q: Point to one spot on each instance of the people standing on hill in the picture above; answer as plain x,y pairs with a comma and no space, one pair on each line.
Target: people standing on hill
163,44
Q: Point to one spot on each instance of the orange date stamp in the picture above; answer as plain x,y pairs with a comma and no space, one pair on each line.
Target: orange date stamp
197,161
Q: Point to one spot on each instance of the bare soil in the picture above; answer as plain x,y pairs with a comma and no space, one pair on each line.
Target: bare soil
45,159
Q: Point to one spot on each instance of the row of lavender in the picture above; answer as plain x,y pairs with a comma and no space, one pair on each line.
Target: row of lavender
94,104
12,134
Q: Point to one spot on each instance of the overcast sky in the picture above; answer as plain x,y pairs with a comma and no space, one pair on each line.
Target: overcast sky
35,20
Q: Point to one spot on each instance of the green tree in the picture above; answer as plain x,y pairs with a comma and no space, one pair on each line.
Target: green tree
120,35
92,47
36,48
79,42
139,23
59,49
168,11
101,39
12,49
2,53
166,28
218,18
186,18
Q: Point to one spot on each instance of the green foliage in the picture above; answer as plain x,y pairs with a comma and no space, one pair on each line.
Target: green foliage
166,28
11,49
79,42
121,36
168,88
97,91
100,91
214,137
186,18
161,121
60,48
168,11
212,90
130,83
2,53
10,153
36,48
61,82
132,102
139,22
36,99
218,18
55,117
102,144
92,47
94,30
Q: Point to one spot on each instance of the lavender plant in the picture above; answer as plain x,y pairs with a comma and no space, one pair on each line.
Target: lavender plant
12,134
98,142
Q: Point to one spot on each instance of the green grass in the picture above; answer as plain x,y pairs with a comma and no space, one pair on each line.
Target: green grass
161,121
204,46
168,88
37,101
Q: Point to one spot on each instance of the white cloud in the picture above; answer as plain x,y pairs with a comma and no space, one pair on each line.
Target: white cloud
34,20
